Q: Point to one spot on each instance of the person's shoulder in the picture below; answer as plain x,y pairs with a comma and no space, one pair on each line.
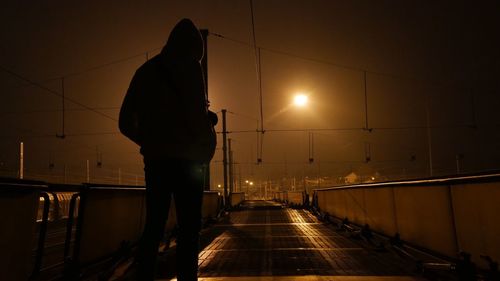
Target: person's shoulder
149,66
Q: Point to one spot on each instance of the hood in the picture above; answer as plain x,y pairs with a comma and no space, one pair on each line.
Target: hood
184,43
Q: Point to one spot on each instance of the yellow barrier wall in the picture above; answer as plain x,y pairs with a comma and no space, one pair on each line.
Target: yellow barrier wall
477,210
17,223
340,204
445,216
237,198
380,210
425,218
210,204
321,200
355,205
328,203
295,197
110,217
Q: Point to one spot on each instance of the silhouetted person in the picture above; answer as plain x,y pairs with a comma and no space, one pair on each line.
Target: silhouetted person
166,113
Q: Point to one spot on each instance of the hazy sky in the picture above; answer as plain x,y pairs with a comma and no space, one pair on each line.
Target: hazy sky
437,58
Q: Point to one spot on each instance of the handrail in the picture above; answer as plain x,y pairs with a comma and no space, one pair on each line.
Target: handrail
42,234
426,182
77,203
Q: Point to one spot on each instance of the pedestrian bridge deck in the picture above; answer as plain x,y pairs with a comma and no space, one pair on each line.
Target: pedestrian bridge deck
263,241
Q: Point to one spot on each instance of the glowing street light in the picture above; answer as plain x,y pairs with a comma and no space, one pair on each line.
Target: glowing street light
300,100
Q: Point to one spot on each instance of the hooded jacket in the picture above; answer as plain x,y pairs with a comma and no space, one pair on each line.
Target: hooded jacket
165,110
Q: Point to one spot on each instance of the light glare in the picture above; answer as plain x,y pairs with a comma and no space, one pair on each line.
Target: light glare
300,100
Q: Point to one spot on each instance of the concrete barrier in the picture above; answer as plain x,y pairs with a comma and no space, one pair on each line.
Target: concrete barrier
476,208
19,202
380,209
108,217
296,198
279,196
237,198
211,204
445,216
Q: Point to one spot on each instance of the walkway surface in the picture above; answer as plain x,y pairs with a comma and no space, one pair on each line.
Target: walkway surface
263,241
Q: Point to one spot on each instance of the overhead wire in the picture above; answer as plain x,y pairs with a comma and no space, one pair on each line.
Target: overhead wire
330,63
96,110
99,66
56,93
56,110
260,139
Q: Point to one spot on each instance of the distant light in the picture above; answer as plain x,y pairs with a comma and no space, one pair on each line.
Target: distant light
219,185
300,100
251,183
246,181
373,178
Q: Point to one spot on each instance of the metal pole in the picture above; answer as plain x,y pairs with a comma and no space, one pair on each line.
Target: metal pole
231,176
265,190
366,102
224,155
21,161
239,178
63,109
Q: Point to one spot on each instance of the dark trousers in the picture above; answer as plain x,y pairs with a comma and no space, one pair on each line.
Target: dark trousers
183,180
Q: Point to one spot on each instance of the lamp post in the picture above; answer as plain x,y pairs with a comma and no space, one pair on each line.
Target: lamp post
224,156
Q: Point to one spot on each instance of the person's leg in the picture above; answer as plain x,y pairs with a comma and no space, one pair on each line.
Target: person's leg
157,207
188,201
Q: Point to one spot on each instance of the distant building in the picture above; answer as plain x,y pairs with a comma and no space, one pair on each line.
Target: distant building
351,178
362,175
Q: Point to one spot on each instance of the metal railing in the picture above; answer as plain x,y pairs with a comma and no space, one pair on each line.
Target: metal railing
101,223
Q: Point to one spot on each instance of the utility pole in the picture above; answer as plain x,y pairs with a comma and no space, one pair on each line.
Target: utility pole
21,161
224,155
62,135
239,178
231,174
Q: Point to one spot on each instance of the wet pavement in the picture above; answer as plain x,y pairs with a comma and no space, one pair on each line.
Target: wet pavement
263,241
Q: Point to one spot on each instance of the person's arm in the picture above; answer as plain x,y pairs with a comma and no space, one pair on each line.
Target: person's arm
129,112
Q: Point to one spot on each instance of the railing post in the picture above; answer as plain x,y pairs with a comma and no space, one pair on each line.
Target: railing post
42,234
